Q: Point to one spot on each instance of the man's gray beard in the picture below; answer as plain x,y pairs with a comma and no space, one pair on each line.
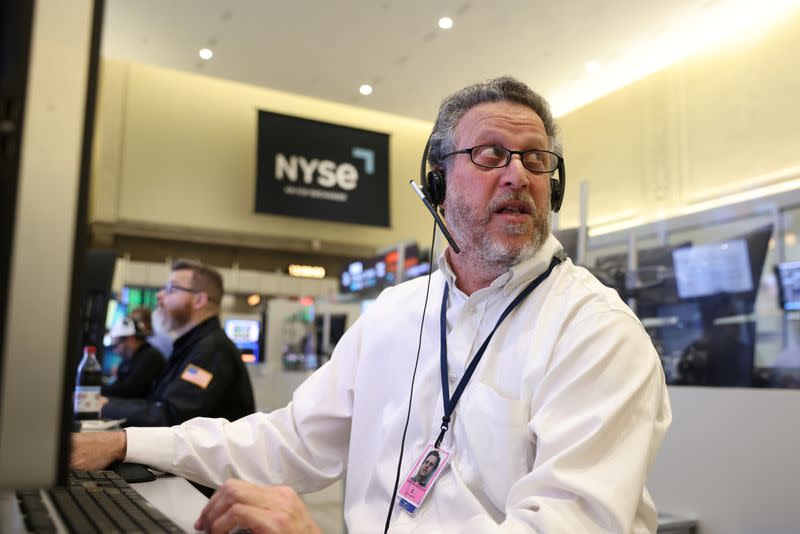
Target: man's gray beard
162,323
469,231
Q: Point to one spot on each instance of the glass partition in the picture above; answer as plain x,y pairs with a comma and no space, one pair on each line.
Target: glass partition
708,292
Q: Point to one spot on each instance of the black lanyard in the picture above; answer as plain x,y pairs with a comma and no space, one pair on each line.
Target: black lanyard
450,403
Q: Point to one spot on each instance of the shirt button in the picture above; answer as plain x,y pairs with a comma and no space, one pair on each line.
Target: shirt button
453,378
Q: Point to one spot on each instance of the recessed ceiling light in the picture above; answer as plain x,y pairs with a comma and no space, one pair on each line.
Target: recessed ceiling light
205,53
593,66
445,23
365,89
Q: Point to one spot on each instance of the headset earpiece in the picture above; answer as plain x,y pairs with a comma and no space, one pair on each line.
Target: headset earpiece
557,188
435,186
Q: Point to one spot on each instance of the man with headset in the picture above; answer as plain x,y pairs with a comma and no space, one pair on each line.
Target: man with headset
142,364
536,382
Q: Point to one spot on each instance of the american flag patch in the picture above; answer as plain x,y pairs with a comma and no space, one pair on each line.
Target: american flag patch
197,376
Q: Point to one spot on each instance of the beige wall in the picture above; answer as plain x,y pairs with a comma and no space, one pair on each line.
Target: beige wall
723,121
179,150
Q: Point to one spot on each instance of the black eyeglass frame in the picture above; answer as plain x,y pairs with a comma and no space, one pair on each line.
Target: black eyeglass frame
171,288
558,162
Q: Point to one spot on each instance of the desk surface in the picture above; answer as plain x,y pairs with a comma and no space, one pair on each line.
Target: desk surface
174,497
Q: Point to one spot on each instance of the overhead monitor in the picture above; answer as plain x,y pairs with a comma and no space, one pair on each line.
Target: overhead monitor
371,275
788,277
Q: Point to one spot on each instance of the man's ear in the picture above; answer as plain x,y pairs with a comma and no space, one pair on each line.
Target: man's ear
200,300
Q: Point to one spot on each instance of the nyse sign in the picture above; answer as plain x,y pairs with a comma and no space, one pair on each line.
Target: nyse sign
317,170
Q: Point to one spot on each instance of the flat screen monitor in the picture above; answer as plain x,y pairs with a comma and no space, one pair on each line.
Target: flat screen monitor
788,277
652,283
48,278
704,270
371,275
732,267
247,336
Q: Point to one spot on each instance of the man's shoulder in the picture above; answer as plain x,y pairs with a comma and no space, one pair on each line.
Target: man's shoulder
213,340
410,289
582,291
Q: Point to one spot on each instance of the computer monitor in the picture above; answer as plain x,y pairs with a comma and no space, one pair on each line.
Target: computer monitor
732,267
652,283
46,279
788,277
371,275
246,334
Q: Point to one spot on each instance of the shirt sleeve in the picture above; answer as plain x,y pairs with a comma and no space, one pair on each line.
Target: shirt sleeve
598,418
303,445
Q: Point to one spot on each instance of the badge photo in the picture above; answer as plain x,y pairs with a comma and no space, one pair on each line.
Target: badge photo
420,480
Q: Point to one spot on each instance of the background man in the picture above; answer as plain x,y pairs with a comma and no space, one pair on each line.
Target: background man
205,375
554,432
142,364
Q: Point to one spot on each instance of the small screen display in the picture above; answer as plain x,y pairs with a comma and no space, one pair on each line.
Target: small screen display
788,275
704,270
242,330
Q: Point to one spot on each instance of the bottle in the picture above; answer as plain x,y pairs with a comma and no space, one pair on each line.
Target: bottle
87,385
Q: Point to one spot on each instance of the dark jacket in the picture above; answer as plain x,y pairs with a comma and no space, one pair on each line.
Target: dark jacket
137,375
205,376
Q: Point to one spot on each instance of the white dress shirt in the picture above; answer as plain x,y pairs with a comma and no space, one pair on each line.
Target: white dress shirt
555,431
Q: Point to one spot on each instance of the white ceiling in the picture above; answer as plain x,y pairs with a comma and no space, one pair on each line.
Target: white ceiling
327,48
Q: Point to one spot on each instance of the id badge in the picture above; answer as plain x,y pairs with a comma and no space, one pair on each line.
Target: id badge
420,480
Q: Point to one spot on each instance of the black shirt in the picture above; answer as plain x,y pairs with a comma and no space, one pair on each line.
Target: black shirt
205,377
137,375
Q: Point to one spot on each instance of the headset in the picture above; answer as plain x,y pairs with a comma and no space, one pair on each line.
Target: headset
434,183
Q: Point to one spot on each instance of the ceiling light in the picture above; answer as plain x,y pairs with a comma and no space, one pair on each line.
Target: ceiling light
307,271
365,89
445,23
593,66
205,53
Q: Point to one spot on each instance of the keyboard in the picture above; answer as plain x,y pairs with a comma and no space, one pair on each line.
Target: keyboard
92,501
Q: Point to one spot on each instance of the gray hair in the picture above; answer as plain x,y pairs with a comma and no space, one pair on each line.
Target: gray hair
503,89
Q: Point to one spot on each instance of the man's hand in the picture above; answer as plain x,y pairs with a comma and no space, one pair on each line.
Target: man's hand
261,509
96,450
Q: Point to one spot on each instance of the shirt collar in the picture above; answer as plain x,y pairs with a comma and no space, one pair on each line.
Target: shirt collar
518,274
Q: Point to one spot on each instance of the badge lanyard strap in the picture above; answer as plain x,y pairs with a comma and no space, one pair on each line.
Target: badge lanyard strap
450,405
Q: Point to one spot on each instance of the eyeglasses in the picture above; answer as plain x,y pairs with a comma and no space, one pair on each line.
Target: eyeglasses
171,288
494,157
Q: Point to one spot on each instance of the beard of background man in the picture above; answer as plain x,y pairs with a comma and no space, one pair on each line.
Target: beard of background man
175,318
469,229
